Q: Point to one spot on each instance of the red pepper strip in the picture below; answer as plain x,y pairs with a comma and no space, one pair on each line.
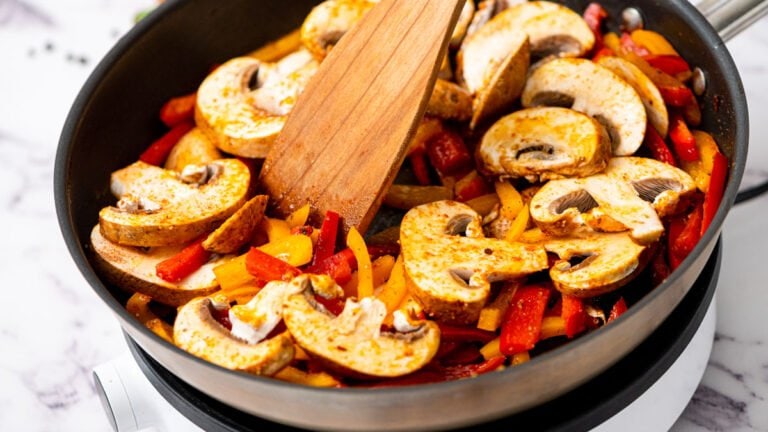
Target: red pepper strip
658,148
659,268
603,52
420,168
466,371
448,153
521,326
463,355
376,251
183,263
630,45
222,317
574,315
683,139
676,226
339,266
158,151
326,242
594,15
715,191
670,64
334,305
618,309
692,113
178,109
453,333
684,243
266,268
676,96
473,189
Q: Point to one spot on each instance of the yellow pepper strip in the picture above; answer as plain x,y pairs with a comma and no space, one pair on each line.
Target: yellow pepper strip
237,294
393,292
653,42
278,49
483,204
160,328
491,315
296,250
381,268
518,225
520,358
138,306
364,271
701,170
297,376
299,217
299,353
491,349
612,41
552,327
276,229
511,201
232,274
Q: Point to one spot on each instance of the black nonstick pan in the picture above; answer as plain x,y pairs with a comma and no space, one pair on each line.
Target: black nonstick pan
171,51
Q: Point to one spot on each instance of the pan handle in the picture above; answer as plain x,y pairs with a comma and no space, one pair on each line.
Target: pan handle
731,17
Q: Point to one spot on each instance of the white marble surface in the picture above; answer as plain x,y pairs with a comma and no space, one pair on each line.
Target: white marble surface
54,330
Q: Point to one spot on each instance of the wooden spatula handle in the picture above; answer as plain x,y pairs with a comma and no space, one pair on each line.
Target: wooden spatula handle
344,142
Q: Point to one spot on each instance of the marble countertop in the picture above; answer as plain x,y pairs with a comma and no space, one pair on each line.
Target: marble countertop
54,329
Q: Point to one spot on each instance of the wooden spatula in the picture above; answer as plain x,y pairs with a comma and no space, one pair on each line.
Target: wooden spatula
347,136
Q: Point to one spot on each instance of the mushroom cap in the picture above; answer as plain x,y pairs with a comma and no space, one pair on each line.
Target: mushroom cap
611,261
279,93
563,207
593,90
659,183
449,101
450,264
194,148
655,108
136,269
183,211
225,110
544,144
353,342
329,21
197,332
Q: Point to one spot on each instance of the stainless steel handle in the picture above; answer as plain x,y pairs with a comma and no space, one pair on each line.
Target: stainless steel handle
731,17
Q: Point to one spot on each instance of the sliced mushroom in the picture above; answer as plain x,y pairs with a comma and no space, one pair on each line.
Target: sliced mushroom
661,184
544,144
563,207
449,101
135,269
463,24
197,332
593,90
159,209
450,263
194,148
238,229
279,93
606,262
353,342
492,65
654,104
226,113
329,21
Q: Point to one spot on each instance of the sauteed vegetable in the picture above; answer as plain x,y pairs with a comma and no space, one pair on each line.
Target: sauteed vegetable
557,177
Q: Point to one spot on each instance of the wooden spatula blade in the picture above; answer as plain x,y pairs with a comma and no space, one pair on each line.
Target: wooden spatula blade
347,136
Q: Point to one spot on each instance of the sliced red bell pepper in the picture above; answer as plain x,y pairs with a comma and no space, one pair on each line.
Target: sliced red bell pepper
683,139
158,151
692,113
266,268
184,263
676,96
445,349
618,309
178,109
334,305
420,169
668,63
471,186
454,333
715,191
682,244
603,52
339,266
574,315
326,242
676,226
658,147
594,15
379,250
448,153
222,317
463,355
521,326
629,44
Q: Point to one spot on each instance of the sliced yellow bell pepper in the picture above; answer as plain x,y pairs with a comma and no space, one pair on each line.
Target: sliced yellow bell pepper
160,328
612,41
314,379
276,229
520,358
483,204
381,268
278,49
299,217
296,249
518,225
232,274
701,170
491,349
393,292
511,200
653,42
364,271
552,326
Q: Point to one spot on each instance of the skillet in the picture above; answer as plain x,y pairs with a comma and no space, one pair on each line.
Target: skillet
171,51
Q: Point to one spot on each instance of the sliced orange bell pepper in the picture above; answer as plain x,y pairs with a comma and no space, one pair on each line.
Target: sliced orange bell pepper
158,151
364,271
183,264
179,109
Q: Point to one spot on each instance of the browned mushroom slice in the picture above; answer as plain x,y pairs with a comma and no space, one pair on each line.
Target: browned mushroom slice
450,101
544,144
654,104
158,207
236,231
563,207
451,264
353,342
134,268
197,332
194,148
593,90
329,21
